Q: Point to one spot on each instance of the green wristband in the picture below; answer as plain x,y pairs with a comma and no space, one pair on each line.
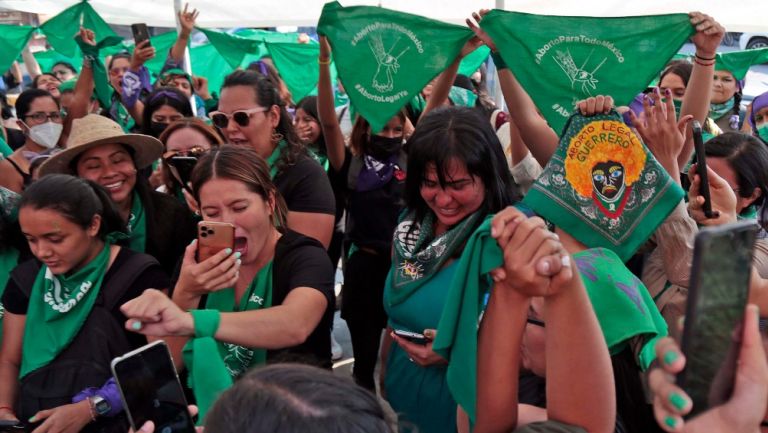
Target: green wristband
498,61
206,322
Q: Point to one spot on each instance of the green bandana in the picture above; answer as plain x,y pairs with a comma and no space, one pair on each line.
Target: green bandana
717,111
9,205
560,60
137,225
210,375
462,97
384,57
13,39
102,88
297,65
762,132
234,48
272,160
622,306
473,60
58,307
60,29
739,62
418,255
603,187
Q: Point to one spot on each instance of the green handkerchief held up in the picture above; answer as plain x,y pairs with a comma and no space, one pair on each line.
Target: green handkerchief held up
13,39
60,30
739,62
384,57
603,186
560,60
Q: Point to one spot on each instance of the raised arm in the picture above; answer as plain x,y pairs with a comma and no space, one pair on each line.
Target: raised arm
708,35
142,52
187,23
33,68
534,129
334,138
84,85
442,87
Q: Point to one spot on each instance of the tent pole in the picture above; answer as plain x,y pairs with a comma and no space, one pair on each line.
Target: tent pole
187,60
497,94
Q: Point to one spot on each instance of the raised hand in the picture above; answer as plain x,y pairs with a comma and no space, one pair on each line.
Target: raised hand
187,20
88,36
709,34
480,33
595,105
660,130
142,52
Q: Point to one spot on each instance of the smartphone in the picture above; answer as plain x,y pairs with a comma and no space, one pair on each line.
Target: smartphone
151,391
140,33
413,337
701,169
183,166
717,296
12,426
213,237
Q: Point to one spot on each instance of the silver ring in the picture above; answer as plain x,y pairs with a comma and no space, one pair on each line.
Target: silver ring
410,359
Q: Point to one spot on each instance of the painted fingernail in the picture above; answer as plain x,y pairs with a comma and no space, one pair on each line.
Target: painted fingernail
670,357
678,401
136,325
667,92
228,251
32,418
238,254
238,261
670,422
565,261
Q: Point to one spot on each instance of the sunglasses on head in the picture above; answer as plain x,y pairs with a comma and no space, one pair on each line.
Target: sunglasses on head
241,117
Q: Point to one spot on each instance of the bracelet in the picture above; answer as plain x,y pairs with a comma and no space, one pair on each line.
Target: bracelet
91,409
498,61
704,58
324,62
696,60
7,407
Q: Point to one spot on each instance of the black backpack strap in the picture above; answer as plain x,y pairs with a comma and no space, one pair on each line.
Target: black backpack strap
123,278
24,276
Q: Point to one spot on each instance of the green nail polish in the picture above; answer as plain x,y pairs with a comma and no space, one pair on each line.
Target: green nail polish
238,262
32,418
670,357
238,254
678,401
136,326
670,422
229,251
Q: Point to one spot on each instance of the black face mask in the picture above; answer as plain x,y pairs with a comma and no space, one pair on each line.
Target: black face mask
382,147
157,128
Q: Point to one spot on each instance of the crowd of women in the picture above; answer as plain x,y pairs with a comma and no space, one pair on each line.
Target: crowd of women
99,252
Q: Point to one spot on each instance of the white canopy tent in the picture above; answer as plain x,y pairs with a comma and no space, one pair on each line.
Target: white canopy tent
746,16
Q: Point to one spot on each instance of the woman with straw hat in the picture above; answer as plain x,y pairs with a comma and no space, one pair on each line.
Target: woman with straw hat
99,150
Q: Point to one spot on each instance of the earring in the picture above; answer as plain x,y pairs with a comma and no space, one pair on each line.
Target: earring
276,137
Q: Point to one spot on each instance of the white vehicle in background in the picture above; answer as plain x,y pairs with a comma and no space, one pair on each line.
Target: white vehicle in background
748,41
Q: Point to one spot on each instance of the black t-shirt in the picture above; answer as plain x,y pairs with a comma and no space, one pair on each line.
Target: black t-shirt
301,261
305,187
16,301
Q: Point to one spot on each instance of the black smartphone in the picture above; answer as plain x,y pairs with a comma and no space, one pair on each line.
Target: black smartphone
183,165
151,391
701,168
717,296
11,426
140,33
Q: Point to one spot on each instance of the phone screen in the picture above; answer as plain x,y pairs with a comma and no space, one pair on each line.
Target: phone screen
151,390
716,300
701,169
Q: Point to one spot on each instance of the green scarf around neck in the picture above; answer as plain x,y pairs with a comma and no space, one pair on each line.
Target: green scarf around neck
137,225
621,302
209,374
9,258
717,111
58,307
272,160
418,254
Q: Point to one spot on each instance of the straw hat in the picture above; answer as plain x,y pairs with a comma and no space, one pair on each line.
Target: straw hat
94,130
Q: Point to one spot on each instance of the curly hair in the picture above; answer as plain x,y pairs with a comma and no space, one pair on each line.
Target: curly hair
598,142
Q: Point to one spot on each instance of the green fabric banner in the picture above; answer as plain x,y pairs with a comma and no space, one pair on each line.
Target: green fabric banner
384,57
208,63
234,48
13,39
472,62
560,60
46,59
603,187
739,62
62,28
297,65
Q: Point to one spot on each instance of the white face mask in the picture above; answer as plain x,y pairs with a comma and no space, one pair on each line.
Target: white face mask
47,134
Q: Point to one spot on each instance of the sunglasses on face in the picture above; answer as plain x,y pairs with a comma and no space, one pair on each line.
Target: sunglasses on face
241,117
195,152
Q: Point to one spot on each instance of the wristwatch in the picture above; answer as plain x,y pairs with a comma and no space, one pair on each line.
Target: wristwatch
99,405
